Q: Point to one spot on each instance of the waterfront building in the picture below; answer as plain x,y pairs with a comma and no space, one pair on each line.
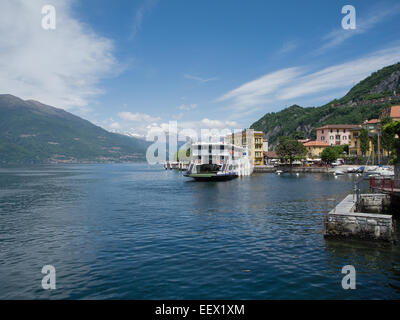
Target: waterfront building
393,112
270,157
354,147
265,145
373,127
335,134
253,141
315,148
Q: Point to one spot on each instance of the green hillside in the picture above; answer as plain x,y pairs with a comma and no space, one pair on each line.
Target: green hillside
31,132
361,103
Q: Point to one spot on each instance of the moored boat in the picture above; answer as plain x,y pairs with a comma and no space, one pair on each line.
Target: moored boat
217,161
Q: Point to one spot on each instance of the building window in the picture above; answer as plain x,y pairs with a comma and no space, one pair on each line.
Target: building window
322,137
344,138
322,131
338,137
344,130
331,137
331,130
337,130
221,147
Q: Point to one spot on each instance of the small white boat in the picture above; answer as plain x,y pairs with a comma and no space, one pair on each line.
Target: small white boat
279,171
338,173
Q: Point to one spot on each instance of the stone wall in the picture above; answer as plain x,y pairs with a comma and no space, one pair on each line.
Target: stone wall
374,203
344,222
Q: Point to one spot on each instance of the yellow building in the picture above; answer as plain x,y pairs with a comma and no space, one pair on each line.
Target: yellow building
373,127
354,147
253,141
315,148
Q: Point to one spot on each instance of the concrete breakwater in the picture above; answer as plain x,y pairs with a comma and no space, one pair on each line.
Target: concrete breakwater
345,222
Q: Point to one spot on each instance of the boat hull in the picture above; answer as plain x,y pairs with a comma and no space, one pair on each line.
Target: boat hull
211,176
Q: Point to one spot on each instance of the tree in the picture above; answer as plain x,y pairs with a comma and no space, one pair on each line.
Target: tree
364,141
393,129
299,135
329,155
290,149
340,149
388,138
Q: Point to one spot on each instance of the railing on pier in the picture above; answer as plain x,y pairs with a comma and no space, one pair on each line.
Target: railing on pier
384,184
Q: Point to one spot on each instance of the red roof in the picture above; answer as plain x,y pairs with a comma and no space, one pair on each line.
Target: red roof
316,144
270,154
373,121
395,112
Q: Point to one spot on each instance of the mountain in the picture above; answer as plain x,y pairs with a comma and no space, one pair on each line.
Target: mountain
364,101
32,132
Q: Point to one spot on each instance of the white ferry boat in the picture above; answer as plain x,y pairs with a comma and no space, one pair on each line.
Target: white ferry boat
217,161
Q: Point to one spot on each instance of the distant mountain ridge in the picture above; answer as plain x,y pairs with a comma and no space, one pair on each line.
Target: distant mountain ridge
32,132
364,101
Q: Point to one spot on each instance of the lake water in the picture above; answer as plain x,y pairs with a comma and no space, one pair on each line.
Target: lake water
139,232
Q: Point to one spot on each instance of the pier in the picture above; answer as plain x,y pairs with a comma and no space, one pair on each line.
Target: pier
352,218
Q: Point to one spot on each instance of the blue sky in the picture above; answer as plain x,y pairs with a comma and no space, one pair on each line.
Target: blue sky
130,65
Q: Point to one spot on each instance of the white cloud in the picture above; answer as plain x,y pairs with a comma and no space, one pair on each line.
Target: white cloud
217,124
59,67
301,82
187,107
340,76
137,117
179,116
288,47
199,79
115,126
144,9
364,24
182,126
257,91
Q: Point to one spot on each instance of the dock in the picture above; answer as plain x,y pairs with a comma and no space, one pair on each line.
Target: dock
361,217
